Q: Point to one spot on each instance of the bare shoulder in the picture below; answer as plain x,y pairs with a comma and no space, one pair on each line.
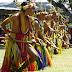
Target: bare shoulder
37,25
17,14
14,17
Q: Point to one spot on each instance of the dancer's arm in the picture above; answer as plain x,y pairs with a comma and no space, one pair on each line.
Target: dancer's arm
40,34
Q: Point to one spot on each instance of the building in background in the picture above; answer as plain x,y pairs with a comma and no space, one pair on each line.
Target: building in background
7,8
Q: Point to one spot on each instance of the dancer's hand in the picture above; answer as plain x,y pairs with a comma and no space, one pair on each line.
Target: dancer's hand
58,35
39,42
33,41
48,44
55,31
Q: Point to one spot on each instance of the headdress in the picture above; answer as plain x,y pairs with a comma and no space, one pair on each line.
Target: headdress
31,5
41,13
49,15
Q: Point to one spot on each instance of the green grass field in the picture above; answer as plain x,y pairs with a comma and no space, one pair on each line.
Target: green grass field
61,62
2,51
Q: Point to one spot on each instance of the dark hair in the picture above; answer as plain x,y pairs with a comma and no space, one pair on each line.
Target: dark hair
38,11
23,4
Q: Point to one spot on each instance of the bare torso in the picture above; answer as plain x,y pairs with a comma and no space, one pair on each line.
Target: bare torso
15,24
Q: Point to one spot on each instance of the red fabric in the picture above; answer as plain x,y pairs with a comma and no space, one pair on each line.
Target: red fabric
32,67
6,66
19,37
48,59
23,53
6,30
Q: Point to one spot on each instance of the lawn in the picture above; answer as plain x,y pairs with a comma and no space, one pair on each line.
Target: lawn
2,51
61,62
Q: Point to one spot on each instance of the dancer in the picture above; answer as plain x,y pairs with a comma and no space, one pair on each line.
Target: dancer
16,52
41,16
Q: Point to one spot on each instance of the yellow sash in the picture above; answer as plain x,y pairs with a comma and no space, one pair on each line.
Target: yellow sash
24,26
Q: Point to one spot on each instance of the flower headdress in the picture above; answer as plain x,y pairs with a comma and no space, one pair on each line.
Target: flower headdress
31,5
53,12
48,15
41,13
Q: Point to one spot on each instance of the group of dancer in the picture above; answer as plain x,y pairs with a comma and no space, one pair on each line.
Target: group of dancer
35,36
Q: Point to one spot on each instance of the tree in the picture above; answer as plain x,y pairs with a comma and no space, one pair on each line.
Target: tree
28,0
70,1
61,5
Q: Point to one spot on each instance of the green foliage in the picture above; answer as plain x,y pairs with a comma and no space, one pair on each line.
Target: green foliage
70,0
65,0
28,0
70,24
71,5
59,11
60,1
8,27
